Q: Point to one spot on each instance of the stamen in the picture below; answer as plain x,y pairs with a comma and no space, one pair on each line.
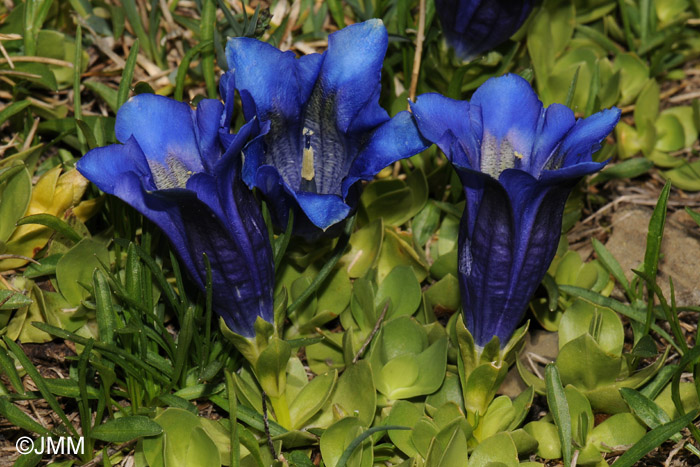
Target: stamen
518,155
307,163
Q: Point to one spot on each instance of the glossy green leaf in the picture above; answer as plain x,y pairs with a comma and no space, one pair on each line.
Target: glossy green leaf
15,193
311,398
685,177
498,450
271,367
398,252
338,437
403,289
584,364
653,439
77,266
365,245
559,407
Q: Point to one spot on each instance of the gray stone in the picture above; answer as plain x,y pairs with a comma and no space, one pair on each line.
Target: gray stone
680,251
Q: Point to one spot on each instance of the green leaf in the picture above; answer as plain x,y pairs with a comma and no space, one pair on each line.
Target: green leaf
600,323
186,440
625,310
403,289
584,364
397,252
653,439
127,75
646,108
559,407
77,266
13,109
104,311
403,413
694,215
342,462
365,245
123,429
17,417
644,408
271,367
341,435
54,223
184,66
547,438
202,452
634,75
425,223
685,177
11,300
108,94
37,73
612,266
354,395
41,385
311,398
498,450
626,169
671,136
15,194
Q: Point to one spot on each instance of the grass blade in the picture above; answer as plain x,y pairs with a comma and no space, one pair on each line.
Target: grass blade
184,66
612,266
14,415
127,75
54,223
8,367
13,109
106,319
207,33
233,416
77,66
33,373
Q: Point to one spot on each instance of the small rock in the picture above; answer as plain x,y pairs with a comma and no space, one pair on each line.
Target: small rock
680,251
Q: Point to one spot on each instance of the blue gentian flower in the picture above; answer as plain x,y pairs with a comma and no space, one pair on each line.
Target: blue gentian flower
473,27
518,163
173,169
324,128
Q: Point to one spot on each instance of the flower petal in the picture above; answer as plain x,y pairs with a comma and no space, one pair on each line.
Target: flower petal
472,27
271,82
207,125
558,120
505,114
229,227
163,128
584,139
436,115
351,72
485,260
323,210
106,166
394,140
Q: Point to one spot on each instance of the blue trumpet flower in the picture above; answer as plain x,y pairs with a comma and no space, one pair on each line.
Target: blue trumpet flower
173,169
472,27
518,163
323,127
